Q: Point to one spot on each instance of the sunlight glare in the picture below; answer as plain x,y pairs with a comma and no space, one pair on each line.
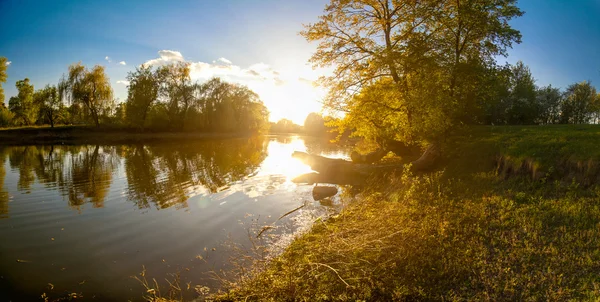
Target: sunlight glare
280,159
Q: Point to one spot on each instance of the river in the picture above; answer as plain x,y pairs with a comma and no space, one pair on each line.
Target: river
85,219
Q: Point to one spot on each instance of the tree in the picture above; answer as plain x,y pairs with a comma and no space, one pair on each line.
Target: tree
314,123
50,103
285,126
91,88
23,106
549,99
227,107
424,52
177,89
144,87
6,117
3,67
523,107
578,104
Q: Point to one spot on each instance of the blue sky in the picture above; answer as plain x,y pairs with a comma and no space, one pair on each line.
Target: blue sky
561,41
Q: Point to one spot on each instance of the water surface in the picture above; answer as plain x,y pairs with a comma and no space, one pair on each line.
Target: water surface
85,218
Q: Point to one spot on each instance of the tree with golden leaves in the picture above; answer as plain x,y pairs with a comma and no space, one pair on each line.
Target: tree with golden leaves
420,60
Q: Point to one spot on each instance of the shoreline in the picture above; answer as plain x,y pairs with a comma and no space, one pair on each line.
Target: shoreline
465,232
92,135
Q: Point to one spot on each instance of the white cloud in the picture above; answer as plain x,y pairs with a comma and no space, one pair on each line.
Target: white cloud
124,82
8,63
107,58
122,63
223,60
166,57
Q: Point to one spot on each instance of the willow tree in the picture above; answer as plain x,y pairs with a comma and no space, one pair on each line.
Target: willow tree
144,86
412,64
177,89
90,88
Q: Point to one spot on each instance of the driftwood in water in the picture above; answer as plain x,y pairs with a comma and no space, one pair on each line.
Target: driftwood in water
339,171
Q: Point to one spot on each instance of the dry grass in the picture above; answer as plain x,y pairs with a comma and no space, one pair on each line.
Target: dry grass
436,238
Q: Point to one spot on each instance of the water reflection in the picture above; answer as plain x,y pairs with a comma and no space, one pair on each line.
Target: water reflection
3,193
99,213
165,175
158,175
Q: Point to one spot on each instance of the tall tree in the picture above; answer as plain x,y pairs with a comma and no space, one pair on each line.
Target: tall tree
425,48
523,107
578,104
23,105
144,87
91,88
3,67
549,99
50,103
177,88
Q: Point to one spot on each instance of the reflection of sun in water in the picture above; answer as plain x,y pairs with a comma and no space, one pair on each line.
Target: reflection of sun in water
280,159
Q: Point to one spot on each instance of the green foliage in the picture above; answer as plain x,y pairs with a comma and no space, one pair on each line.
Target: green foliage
23,105
549,100
3,67
425,67
228,107
88,88
144,86
580,100
6,116
166,98
50,105
522,103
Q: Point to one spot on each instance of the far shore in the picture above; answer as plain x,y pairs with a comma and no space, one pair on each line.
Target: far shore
100,135
83,134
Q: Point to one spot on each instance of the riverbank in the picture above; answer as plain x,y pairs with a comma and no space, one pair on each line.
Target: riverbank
93,135
512,214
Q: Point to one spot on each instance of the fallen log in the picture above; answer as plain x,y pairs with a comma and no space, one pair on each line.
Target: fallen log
344,172
368,158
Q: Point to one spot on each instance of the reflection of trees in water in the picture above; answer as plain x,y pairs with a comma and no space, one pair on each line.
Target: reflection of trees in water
89,175
82,173
3,193
163,174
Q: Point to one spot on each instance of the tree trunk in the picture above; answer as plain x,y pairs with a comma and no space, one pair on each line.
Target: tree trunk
344,172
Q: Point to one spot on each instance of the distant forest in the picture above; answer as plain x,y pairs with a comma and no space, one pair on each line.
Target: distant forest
162,98
165,98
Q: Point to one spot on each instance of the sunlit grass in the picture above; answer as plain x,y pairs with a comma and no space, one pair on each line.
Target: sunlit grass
463,233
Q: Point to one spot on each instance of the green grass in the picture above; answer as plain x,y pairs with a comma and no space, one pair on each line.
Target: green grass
468,232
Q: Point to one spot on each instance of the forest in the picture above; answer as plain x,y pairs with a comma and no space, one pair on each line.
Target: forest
162,98
166,99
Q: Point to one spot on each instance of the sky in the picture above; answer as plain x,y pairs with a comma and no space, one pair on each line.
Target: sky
255,43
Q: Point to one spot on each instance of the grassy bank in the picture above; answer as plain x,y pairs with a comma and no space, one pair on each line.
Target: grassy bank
93,135
514,215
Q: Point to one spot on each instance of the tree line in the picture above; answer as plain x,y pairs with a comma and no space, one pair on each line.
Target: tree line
159,98
411,71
